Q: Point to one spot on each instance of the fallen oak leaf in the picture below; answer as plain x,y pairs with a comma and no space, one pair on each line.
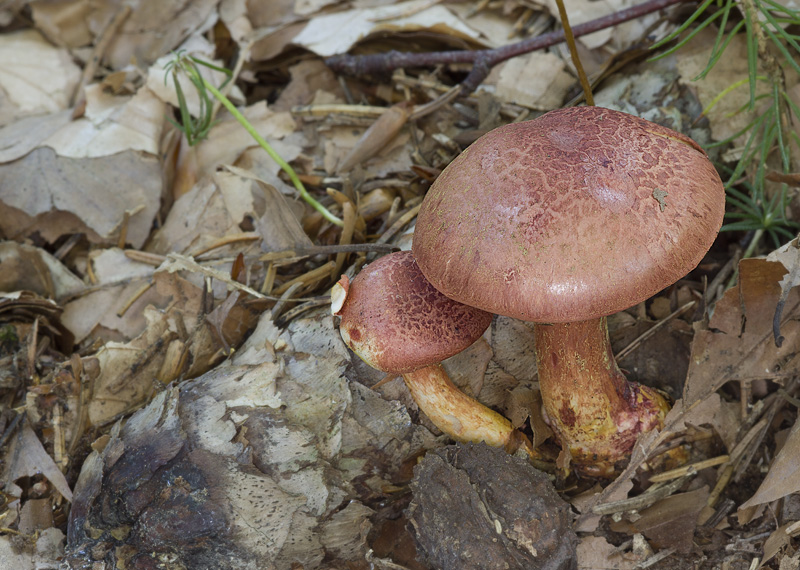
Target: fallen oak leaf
738,343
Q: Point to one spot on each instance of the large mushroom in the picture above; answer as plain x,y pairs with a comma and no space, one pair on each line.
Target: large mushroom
395,321
562,221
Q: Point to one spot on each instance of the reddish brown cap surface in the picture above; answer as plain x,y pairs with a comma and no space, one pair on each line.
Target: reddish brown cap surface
578,214
395,321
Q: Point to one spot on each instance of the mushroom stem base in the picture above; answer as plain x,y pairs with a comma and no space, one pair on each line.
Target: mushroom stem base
596,413
461,417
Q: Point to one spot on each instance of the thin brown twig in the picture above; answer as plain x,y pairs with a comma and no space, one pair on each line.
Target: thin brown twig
106,37
483,60
573,51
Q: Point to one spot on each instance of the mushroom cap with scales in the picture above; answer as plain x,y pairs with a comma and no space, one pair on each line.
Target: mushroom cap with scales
577,214
395,320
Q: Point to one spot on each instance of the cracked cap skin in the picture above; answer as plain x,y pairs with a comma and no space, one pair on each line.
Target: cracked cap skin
395,321
578,214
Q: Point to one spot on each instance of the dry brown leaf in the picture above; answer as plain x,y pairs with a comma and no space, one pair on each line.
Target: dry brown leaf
595,553
307,77
777,542
739,343
228,140
153,28
130,373
217,207
335,33
536,80
27,458
56,196
35,77
30,268
669,523
119,280
112,124
20,137
376,137
783,477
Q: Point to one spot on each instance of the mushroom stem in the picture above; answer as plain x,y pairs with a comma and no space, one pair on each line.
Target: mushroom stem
596,413
459,416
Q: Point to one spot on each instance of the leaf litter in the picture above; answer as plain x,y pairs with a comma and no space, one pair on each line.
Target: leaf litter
192,284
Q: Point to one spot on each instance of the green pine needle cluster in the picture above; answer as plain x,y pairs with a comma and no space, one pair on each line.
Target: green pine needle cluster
772,48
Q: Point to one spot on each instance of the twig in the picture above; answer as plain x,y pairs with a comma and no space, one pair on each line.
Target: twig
109,33
684,470
573,51
652,330
484,60
655,493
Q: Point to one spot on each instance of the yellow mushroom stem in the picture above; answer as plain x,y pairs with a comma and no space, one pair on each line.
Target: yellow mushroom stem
461,417
596,413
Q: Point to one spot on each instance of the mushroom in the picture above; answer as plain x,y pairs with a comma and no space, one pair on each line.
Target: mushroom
395,321
562,221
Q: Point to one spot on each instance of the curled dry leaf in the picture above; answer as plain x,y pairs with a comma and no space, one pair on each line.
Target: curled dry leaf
335,33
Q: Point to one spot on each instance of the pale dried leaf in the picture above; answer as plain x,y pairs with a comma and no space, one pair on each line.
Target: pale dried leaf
595,553
27,458
34,269
783,477
777,542
35,76
65,27
535,80
20,137
55,196
47,552
112,125
228,140
330,34
119,280
789,255
153,28
233,13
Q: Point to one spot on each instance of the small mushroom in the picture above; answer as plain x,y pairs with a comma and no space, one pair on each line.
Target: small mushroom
562,221
395,321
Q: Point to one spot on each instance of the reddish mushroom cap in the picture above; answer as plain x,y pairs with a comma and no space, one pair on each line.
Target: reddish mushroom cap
577,214
395,321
